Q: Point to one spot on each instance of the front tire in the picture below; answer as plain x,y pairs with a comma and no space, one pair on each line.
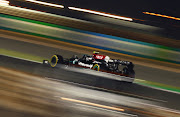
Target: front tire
96,67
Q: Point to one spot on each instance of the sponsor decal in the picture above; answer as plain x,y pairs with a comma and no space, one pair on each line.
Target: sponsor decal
100,57
85,65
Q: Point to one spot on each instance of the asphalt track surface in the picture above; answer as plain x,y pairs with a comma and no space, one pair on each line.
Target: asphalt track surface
76,86
142,72
27,95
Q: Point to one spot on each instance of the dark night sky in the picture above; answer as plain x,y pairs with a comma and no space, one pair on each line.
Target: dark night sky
134,9
127,7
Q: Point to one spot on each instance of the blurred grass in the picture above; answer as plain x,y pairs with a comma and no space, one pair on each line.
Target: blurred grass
21,55
157,85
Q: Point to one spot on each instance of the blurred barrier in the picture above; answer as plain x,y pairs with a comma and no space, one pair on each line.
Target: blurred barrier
116,30
101,41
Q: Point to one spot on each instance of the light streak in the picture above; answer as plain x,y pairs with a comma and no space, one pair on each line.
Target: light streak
92,104
4,2
45,3
170,17
100,13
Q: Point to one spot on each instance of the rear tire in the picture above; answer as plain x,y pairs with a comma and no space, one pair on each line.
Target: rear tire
56,59
125,71
132,74
129,73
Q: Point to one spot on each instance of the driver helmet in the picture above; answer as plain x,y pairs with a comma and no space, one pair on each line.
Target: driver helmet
95,52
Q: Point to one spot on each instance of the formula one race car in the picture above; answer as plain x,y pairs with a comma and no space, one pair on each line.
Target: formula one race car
95,62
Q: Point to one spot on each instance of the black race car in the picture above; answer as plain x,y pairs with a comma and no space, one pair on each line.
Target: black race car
95,62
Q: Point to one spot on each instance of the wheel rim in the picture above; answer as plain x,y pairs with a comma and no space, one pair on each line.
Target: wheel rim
54,61
96,67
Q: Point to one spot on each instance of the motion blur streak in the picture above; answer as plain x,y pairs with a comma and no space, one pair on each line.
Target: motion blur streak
45,3
103,42
92,104
41,96
4,2
100,13
170,17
